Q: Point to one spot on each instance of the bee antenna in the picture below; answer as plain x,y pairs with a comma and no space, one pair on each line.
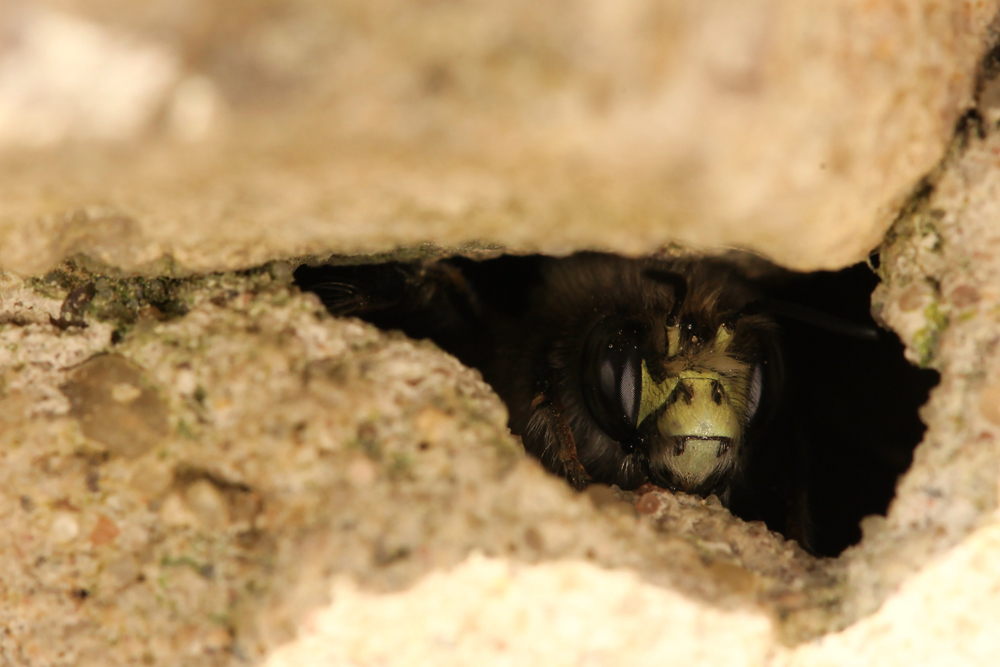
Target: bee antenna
674,280
810,316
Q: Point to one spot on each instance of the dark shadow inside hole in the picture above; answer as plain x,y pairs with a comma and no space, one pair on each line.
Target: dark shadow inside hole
845,422
849,418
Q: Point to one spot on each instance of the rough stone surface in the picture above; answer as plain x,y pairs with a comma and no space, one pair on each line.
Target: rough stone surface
948,614
115,406
324,489
484,613
302,450
210,470
941,292
223,136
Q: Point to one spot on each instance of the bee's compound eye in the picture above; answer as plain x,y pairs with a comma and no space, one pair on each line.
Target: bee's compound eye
620,378
613,375
756,385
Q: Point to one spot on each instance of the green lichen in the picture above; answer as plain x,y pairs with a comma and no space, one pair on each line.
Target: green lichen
117,298
927,340
123,300
967,315
400,466
935,317
221,618
367,441
181,561
185,431
926,227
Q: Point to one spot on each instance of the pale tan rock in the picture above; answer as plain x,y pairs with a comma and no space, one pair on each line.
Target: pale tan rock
115,405
487,612
989,404
791,128
314,486
948,246
491,612
64,78
303,452
948,614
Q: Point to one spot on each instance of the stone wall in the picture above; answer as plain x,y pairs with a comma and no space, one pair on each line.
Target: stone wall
224,136
200,466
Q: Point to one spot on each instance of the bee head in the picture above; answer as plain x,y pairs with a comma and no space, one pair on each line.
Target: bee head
684,405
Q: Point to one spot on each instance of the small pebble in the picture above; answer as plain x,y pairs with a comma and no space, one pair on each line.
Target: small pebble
208,504
648,504
123,392
64,527
989,404
361,472
104,531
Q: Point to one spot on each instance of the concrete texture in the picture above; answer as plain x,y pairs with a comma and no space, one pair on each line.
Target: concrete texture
486,612
223,136
300,450
207,469
212,471
948,614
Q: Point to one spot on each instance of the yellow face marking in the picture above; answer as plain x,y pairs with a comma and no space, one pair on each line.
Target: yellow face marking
722,339
653,395
699,433
673,341
702,416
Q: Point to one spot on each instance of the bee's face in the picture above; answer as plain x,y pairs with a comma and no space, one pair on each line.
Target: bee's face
682,405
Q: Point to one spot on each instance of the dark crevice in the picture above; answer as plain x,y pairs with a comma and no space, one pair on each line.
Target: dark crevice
849,408
842,426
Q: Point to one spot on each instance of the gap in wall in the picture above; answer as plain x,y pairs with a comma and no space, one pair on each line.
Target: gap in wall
847,422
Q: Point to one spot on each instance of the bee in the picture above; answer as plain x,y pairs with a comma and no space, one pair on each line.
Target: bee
665,370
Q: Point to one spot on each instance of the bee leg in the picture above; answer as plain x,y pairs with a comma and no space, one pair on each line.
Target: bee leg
444,280
424,299
359,290
548,422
